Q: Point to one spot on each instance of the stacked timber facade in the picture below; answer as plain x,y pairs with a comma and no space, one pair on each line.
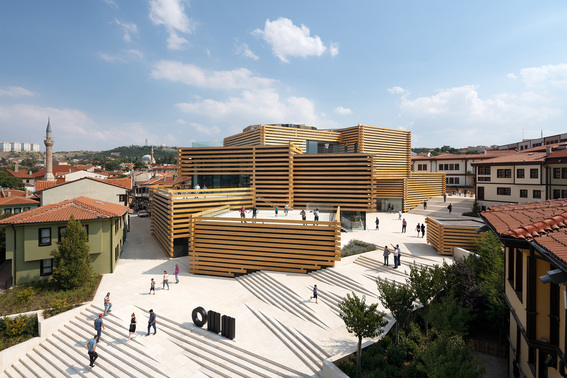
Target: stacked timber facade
359,169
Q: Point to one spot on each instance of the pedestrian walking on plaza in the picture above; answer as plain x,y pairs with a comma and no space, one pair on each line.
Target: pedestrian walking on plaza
445,197
303,215
377,223
98,326
107,304
316,214
422,229
176,273
346,147
152,322
404,225
152,287
424,205
399,215
276,210
355,147
386,255
243,213
418,229
326,147
286,209
93,355
450,208
132,329
165,280
314,294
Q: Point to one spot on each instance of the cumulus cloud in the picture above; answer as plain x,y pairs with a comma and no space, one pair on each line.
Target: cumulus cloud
342,111
288,40
512,76
548,75
334,49
171,15
122,57
129,29
465,104
253,105
239,78
396,90
200,128
15,92
242,49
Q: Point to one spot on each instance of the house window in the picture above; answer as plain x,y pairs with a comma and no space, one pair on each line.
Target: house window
451,167
7,211
487,178
61,233
520,173
44,236
503,191
86,228
483,170
536,194
122,198
556,173
116,227
46,267
26,208
17,210
456,167
519,273
534,173
456,180
523,193
511,266
556,193
564,173
503,173
563,193
480,192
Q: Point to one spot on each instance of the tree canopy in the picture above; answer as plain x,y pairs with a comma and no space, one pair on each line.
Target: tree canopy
398,298
9,181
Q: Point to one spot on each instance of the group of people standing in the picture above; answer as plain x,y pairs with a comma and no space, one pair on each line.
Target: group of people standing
420,228
397,255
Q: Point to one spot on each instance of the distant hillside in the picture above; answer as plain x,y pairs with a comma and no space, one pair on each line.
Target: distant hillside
130,154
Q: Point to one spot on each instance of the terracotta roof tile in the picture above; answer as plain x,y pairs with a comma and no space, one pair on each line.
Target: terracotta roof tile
16,200
82,208
520,157
19,174
42,185
12,192
543,148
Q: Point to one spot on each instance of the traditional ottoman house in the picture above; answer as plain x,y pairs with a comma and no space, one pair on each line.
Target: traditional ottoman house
32,235
534,235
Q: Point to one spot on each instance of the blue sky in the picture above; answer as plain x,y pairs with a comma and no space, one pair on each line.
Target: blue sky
113,72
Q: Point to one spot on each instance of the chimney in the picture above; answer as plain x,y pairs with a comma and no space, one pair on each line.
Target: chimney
16,167
547,151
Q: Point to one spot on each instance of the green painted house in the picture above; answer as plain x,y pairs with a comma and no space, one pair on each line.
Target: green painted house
33,234
16,204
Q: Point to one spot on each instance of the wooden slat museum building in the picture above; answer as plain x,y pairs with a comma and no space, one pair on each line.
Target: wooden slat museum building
360,168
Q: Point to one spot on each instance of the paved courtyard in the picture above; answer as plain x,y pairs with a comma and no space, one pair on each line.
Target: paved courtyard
279,330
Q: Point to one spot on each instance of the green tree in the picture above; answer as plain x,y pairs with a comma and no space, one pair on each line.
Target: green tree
449,316
72,260
426,283
450,356
9,181
490,275
362,320
112,165
398,299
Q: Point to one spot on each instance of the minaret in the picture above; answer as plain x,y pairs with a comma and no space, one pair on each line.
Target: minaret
48,153
152,160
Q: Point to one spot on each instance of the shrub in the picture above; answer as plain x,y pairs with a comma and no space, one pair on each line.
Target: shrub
25,294
395,354
412,340
355,247
348,367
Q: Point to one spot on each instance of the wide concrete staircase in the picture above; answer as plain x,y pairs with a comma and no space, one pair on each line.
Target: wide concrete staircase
331,277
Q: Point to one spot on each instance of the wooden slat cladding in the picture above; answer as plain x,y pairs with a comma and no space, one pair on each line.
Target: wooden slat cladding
422,186
388,188
444,236
227,246
332,180
392,150
172,208
245,138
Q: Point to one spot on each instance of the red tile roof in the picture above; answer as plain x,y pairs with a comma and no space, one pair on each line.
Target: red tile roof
42,185
544,148
17,200
125,182
517,158
558,156
122,183
543,222
82,208
20,174
12,192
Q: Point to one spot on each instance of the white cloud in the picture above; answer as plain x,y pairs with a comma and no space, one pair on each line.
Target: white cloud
342,111
464,105
202,129
16,92
171,14
111,58
129,29
334,49
548,75
397,90
512,76
288,40
136,53
111,2
193,75
254,105
242,49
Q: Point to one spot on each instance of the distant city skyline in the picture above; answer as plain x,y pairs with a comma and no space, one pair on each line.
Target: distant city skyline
112,73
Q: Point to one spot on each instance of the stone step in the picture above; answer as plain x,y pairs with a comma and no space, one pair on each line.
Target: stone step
225,349
60,369
44,365
36,370
329,299
289,341
22,370
334,278
11,373
69,356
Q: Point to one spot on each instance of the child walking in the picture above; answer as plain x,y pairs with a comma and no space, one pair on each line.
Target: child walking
152,287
